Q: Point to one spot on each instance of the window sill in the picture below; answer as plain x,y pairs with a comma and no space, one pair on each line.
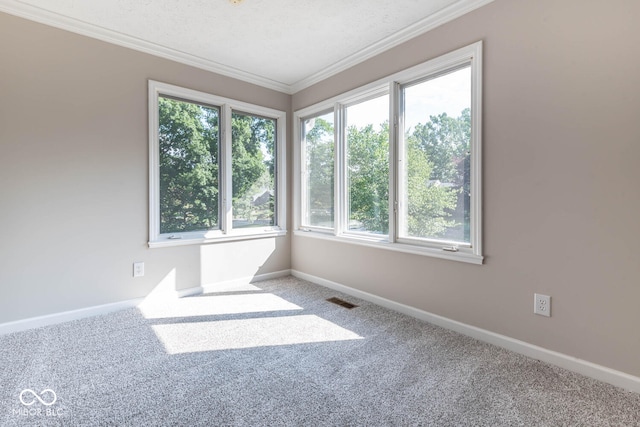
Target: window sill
201,239
460,256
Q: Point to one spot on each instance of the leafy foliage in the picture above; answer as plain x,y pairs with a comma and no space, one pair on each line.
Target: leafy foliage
320,170
189,165
445,141
368,175
428,205
189,139
253,170
436,175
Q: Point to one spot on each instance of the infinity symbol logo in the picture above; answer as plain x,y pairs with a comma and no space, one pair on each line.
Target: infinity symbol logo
40,397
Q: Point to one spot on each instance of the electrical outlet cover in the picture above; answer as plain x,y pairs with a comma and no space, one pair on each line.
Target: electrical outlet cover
138,269
542,305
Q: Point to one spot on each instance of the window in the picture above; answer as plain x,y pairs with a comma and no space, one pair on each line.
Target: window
188,141
367,147
436,150
253,170
396,164
318,170
216,168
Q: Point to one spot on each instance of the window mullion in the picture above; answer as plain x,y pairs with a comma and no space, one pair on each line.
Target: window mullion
394,169
400,164
476,151
226,179
303,176
340,189
280,175
154,164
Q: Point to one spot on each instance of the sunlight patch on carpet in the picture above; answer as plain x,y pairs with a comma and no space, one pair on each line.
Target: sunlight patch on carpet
194,337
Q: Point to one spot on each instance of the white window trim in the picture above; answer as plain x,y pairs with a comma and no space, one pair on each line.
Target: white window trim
472,253
226,232
300,172
341,150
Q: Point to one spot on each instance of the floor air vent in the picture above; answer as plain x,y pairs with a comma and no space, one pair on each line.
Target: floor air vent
341,302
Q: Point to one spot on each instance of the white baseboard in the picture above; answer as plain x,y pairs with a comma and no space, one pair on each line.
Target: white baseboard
212,287
66,316
592,370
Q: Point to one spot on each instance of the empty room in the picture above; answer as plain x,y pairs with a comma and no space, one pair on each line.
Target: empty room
319,213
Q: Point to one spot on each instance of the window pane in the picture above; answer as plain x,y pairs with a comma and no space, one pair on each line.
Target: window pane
188,141
437,136
318,186
253,170
367,131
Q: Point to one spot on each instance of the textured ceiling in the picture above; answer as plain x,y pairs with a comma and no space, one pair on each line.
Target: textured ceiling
282,44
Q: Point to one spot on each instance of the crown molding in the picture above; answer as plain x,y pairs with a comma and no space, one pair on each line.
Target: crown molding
32,13
16,8
427,24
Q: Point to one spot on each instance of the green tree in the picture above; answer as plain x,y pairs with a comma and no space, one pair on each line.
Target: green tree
247,160
188,139
368,175
252,167
320,169
189,164
428,203
445,140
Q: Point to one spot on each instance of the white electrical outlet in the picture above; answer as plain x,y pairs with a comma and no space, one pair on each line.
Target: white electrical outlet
542,305
138,269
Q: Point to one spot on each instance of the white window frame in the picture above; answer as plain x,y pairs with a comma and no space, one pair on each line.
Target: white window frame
341,110
226,232
302,166
471,253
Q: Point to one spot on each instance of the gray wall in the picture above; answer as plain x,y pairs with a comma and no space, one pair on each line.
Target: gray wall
561,203
74,175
